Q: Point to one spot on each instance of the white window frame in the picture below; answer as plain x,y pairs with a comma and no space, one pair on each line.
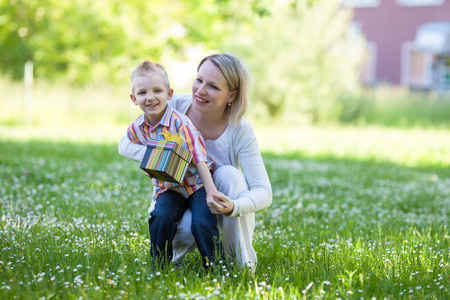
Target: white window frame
360,3
407,48
415,3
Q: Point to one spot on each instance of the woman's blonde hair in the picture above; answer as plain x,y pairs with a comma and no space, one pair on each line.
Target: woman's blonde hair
238,79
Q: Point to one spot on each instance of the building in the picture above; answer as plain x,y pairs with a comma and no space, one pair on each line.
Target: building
408,41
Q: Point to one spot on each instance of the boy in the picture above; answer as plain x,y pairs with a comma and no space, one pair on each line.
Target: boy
150,90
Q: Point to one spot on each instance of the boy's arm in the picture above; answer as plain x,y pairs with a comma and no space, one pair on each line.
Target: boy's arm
205,175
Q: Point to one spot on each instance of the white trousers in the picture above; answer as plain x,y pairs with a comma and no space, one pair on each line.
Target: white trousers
237,233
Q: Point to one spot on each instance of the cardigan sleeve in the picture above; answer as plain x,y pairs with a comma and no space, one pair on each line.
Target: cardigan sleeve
130,150
259,194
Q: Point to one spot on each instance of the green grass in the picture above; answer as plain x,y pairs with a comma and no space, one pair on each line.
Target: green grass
344,223
396,107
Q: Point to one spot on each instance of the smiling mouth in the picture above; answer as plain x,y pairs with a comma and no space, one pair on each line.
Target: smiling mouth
201,100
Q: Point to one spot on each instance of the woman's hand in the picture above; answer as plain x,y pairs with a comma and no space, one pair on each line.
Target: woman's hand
219,204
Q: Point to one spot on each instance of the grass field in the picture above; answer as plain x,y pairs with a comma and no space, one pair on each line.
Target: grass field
356,213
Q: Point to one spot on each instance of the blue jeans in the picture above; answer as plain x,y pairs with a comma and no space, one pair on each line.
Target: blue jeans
169,210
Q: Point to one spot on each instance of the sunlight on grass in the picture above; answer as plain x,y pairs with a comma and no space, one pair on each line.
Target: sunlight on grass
402,146
409,147
110,134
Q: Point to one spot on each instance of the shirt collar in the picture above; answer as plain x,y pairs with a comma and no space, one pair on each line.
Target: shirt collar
165,120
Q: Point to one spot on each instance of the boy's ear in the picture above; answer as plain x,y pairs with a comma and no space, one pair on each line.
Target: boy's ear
170,95
133,98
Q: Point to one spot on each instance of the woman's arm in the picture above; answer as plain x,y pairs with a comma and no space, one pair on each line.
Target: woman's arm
216,207
130,150
259,194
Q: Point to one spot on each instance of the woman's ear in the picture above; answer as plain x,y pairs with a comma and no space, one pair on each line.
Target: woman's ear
233,96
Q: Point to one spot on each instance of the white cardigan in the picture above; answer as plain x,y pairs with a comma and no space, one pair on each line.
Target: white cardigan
243,153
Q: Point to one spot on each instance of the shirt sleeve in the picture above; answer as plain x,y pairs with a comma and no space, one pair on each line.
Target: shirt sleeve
194,142
259,194
134,132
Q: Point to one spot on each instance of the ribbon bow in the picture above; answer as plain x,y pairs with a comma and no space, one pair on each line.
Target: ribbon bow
168,136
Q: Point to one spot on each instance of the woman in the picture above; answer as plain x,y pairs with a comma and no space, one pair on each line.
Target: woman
216,107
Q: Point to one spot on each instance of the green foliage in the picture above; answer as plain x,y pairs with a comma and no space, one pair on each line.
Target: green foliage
74,224
78,40
89,42
85,41
301,57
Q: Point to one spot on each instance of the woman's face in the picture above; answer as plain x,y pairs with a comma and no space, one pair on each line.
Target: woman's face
210,92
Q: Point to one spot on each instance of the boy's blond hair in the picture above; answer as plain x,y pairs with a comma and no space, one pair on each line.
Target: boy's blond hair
145,68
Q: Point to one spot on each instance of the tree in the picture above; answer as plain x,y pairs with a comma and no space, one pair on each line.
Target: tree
300,56
299,52
83,40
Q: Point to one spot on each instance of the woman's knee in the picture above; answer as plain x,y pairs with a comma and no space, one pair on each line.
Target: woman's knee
230,181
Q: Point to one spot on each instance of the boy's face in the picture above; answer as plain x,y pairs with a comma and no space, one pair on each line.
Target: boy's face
151,93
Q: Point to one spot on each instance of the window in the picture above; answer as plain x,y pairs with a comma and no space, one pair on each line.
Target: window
360,3
417,67
420,2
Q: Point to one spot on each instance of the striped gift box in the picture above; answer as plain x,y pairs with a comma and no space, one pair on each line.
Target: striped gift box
166,160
